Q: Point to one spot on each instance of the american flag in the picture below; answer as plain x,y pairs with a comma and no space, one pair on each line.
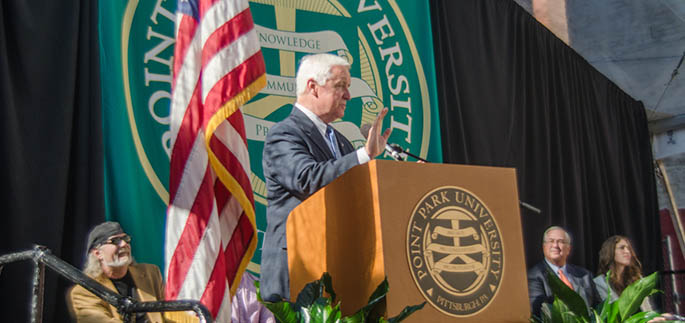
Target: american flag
210,229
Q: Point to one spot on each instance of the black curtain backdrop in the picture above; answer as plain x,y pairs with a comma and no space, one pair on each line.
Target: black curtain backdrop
512,94
51,141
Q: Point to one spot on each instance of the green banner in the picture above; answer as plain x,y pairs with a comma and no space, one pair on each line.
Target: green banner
388,44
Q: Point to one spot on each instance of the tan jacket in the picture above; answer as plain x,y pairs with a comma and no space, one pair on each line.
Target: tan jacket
87,308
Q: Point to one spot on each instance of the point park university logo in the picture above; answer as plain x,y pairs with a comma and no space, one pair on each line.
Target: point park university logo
454,251
372,35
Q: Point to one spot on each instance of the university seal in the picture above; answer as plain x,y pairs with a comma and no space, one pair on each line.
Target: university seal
454,249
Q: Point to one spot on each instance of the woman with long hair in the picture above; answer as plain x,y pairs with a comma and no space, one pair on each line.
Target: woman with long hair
617,258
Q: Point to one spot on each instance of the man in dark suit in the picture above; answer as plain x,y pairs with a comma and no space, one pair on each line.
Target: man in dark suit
556,246
303,153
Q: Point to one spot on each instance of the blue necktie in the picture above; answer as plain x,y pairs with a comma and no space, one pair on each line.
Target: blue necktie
332,142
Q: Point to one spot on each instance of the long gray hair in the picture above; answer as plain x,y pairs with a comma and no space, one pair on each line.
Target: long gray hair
92,266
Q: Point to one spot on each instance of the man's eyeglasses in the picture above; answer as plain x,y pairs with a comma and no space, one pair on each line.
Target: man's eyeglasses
117,240
558,241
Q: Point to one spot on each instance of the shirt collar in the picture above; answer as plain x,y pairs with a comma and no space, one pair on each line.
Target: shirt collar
556,268
315,119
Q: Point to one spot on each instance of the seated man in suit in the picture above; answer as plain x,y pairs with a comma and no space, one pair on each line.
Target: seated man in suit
556,246
110,263
303,153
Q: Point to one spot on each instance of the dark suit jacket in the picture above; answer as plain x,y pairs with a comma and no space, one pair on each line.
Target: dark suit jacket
297,162
540,292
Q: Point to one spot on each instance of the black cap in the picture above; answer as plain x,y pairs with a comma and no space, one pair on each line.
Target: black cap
101,232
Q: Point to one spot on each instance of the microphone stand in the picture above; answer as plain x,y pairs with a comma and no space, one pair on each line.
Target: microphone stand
530,207
399,150
402,151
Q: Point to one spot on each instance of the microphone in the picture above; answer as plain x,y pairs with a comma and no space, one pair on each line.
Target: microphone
404,153
395,154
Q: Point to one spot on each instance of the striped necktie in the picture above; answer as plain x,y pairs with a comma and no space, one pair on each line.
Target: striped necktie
332,142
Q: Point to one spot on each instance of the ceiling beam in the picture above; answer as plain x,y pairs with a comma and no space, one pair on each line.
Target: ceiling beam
663,125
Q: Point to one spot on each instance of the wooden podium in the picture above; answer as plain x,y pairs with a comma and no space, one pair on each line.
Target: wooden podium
449,234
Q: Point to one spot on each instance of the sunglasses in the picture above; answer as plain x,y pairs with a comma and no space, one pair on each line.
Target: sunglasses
117,240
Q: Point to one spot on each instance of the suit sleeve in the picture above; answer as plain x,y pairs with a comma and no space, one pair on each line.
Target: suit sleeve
89,308
594,294
601,287
157,282
291,162
536,290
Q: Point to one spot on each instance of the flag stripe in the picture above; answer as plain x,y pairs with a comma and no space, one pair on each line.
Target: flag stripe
185,89
239,240
199,272
228,134
227,33
223,197
225,310
226,60
218,13
228,223
206,5
184,37
193,230
238,123
216,288
182,149
226,157
179,207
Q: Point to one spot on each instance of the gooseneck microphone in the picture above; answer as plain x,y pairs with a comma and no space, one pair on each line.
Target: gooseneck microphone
394,153
401,151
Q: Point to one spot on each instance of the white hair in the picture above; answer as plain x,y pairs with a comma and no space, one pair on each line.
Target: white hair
556,227
318,68
92,266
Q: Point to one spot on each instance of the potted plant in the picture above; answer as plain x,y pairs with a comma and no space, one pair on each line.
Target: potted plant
569,307
312,305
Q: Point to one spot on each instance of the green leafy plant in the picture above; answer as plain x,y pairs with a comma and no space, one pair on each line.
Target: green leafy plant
312,305
569,307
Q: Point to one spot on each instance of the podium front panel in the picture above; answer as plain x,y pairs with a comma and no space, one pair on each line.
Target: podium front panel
453,238
446,234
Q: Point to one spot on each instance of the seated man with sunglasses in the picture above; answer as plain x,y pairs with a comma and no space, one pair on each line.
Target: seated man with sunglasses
109,262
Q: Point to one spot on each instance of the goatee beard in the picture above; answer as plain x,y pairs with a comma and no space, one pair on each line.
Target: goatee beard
119,261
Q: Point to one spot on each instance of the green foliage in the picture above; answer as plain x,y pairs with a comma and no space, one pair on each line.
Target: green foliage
574,303
569,307
631,298
312,305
